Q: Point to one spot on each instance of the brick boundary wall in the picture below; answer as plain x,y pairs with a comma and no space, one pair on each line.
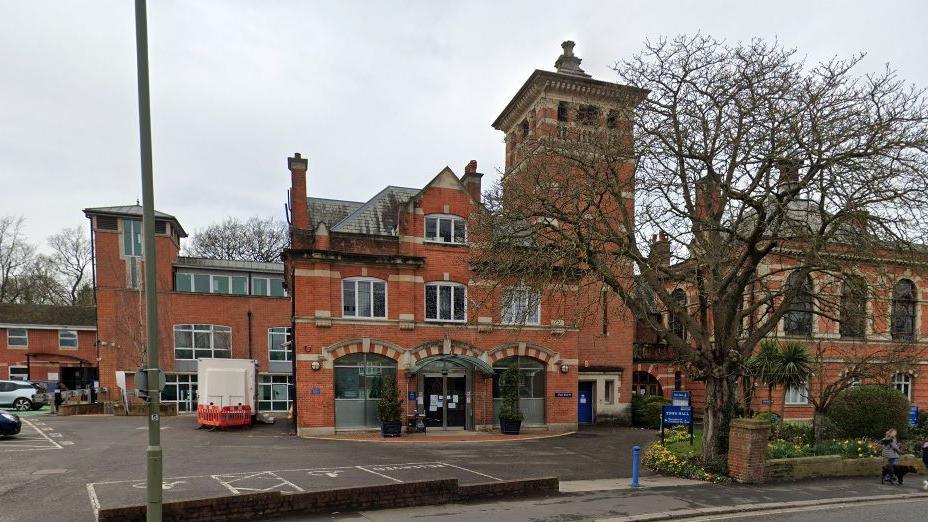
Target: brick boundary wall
747,450
275,503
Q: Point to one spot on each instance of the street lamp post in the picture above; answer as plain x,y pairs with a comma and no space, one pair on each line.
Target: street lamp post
153,378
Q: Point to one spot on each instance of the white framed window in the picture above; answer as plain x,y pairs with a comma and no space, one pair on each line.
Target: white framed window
67,338
274,392
521,305
193,341
608,392
277,350
364,297
268,286
442,228
212,283
132,237
181,389
17,337
903,383
445,302
18,373
797,395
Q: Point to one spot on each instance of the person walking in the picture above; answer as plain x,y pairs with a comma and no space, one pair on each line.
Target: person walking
891,453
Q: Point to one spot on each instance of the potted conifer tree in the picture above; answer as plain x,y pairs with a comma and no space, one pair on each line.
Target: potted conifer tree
510,417
389,409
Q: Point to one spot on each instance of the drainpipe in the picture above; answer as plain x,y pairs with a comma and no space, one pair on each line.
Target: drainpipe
292,291
250,356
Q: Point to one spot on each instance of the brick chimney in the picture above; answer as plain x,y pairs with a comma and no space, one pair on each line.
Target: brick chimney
471,180
708,197
659,255
299,207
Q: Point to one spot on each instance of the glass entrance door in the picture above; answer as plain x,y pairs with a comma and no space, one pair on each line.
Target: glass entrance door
443,397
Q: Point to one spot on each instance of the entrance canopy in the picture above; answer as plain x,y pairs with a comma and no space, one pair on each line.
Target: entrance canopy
460,360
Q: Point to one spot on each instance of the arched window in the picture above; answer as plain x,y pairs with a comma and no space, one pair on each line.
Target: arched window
853,307
798,320
364,297
676,322
643,383
903,314
531,387
444,228
903,383
358,381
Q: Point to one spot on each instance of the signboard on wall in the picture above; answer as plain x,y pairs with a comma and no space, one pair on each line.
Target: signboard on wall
913,416
680,398
563,394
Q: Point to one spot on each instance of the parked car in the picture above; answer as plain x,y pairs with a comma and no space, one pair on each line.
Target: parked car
21,395
9,424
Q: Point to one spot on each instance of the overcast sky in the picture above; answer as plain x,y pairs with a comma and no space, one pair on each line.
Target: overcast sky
373,93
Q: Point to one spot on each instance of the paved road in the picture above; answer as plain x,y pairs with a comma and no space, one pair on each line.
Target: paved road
80,461
893,511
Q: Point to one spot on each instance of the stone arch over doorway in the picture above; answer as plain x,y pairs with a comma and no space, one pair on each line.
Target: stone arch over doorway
445,347
363,345
525,349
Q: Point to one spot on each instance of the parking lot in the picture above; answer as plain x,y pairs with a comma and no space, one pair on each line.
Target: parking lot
82,463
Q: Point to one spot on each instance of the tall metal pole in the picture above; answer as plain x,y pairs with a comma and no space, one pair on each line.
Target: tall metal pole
153,378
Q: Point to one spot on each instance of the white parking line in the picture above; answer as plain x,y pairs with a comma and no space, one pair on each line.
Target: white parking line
227,480
362,468
35,442
472,471
94,501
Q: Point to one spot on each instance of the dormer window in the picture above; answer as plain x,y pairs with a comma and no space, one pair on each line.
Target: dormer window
445,229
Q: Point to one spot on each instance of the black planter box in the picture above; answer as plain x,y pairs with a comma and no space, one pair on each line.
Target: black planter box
391,429
510,427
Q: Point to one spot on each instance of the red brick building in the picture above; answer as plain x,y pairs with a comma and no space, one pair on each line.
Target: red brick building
207,308
383,287
48,343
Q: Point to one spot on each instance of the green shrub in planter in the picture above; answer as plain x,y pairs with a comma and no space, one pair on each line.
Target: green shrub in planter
772,418
646,411
795,432
389,409
510,416
868,411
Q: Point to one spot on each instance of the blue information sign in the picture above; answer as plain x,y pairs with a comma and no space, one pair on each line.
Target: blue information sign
677,415
315,391
411,396
680,398
913,416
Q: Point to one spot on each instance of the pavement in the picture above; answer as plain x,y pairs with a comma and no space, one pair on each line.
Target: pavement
64,468
67,467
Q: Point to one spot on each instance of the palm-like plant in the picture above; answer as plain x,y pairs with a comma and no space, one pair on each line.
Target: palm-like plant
787,364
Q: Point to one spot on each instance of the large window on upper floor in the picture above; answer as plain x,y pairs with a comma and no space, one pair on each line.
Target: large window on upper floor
798,319
277,348
17,337
193,341
903,312
132,237
853,308
675,323
521,305
441,228
445,301
228,284
364,297
67,338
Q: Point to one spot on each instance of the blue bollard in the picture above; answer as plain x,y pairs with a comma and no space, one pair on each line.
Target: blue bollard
636,453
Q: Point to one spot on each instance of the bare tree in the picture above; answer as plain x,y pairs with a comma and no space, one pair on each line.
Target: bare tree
16,257
71,258
838,368
256,239
747,167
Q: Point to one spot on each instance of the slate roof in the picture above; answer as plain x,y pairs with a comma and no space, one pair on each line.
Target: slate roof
133,210
47,315
229,264
378,216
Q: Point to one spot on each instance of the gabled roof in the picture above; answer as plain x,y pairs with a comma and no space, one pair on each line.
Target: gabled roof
14,314
133,211
379,215
330,211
